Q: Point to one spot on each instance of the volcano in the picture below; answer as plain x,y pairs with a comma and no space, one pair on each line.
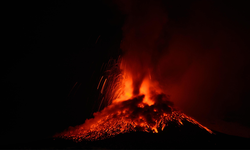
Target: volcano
188,135
136,124
137,116
130,116
139,108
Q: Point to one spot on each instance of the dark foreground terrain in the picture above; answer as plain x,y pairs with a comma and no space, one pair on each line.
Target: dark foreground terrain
187,136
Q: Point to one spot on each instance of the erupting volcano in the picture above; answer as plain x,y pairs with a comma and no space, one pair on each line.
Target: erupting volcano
134,98
141,106
125,74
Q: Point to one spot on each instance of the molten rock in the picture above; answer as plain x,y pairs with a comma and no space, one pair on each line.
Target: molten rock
130,115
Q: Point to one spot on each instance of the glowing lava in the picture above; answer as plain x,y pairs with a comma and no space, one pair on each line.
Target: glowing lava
148,111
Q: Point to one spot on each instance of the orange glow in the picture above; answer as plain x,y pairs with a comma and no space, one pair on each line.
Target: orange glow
150,110
127,89
141,105
110,126
146,86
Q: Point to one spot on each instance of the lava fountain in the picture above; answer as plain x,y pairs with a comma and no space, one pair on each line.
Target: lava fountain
145,109
134,99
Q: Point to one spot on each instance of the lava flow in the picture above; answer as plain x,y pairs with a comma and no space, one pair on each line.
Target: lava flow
147,109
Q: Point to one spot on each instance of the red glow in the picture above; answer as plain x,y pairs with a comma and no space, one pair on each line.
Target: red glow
149,110
135,99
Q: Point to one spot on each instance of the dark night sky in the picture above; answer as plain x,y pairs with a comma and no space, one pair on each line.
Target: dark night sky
48,46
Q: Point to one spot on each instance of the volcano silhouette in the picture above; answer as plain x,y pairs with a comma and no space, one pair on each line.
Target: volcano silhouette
131,124
130,116
188,135
173,136
157,126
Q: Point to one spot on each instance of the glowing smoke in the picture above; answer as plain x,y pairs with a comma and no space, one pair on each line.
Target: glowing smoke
200,59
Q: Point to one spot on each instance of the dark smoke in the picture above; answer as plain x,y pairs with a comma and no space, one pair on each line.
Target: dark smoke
199,53
142,29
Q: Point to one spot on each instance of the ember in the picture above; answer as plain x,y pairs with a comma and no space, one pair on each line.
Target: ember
133,98
149,111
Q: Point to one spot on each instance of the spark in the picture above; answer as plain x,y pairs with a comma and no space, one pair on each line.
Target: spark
121,114
99,82
72,88
103,85
109,126
100,104
77,88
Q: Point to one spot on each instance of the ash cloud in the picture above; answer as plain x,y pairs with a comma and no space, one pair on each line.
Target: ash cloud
199,53
141,32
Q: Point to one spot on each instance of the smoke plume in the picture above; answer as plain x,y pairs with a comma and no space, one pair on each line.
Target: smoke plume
198,52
